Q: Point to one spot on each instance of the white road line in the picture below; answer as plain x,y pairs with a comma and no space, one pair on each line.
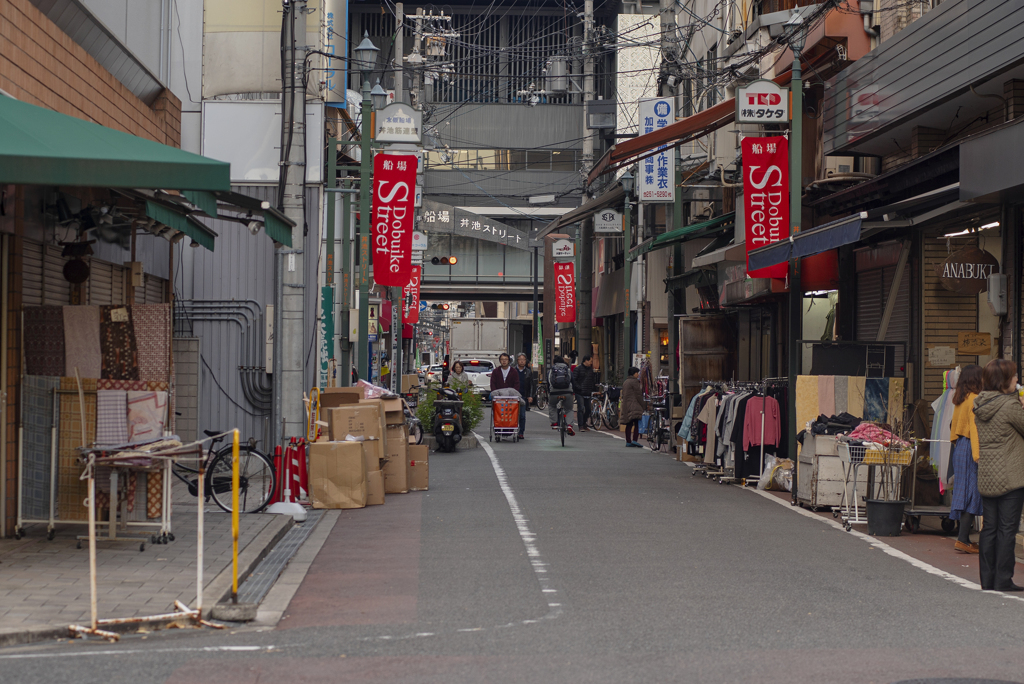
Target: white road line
527,535
139,651
885,548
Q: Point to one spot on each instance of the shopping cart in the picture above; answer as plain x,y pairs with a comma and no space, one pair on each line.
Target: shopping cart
852,457
504,419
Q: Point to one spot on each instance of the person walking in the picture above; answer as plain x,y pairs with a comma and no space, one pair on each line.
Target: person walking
560,392
527,387
583,380
505,376
999,417
964,434
632,406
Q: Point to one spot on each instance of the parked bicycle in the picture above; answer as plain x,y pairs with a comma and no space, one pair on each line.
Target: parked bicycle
257,479
604,407
542,395
658,425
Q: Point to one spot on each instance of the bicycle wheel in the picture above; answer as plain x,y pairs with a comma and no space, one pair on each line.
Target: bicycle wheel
662,436
256,479
542,398
611,417
561,424
594,419
652,431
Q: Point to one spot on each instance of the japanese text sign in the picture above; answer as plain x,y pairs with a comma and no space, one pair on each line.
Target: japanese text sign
766,197
394,180
657,182
411,298
565,293
762,102
608,221
398,122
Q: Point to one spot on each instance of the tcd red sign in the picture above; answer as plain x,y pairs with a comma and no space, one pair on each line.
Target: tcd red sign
394,190
766,197
565,293
411,298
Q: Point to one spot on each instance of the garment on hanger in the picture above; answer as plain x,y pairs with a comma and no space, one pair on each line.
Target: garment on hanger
842,390
708,416
827,394
941,426
752,422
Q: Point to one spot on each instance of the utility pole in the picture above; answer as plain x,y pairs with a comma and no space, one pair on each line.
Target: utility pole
289,311
584,279
399,50
668,42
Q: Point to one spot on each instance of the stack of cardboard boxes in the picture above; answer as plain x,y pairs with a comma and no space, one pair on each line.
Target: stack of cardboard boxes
365,454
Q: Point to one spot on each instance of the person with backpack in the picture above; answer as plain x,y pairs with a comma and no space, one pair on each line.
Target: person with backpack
560,392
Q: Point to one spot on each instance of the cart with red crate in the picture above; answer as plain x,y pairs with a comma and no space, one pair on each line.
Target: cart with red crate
504,419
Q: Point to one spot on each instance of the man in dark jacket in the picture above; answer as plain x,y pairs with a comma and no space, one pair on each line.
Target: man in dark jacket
504,376
527,388
583,381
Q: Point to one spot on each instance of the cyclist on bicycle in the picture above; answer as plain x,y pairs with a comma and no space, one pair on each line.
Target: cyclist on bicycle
560,393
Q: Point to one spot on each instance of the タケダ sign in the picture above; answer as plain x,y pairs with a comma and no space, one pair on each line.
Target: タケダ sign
565,292
394,184
766,198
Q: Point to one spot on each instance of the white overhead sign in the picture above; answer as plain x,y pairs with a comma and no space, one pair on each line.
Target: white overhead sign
563,249
398,122
419,241
657,182
762,101
608,221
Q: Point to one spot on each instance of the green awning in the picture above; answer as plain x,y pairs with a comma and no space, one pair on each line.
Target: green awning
694,230
181,222
41,147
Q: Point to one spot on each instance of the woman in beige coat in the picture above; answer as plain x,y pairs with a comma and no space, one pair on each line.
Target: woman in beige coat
632,407
999,417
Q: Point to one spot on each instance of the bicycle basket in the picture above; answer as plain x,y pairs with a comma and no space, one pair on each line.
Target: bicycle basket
614,392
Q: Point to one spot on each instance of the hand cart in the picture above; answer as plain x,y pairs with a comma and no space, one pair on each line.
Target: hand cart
914,513
852,457
504,419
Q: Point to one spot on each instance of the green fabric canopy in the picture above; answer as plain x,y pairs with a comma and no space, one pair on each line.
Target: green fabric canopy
694,230
42,147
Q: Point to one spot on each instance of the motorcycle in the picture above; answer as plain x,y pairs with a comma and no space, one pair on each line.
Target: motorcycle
447,419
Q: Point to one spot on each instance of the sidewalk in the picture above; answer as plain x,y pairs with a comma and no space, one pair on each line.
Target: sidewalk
44,585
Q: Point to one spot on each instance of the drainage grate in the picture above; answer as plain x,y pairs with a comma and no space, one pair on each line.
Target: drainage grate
270,568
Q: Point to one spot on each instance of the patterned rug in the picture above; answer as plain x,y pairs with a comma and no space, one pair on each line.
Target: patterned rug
82,341
111,416
132,385
37,414
117,343
153,335
71,490
44,340
147,415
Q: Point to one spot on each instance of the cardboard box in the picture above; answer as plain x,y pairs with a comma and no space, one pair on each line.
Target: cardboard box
332,397
337,475
391,410
678,412
418,471
358,420
681,455
375,488
373,454
410,383
396,444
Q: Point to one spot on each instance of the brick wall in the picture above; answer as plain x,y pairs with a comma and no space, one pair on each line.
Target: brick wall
42,65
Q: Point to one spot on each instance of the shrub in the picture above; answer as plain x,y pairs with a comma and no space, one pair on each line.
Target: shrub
472,408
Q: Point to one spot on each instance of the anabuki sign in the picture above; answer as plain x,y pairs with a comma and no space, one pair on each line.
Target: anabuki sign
966,271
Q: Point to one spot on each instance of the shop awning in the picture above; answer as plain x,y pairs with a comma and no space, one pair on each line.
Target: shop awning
43,147
683,234
805,243
731,252
611,295
614,197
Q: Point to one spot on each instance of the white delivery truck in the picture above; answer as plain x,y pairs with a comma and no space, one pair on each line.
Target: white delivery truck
479,338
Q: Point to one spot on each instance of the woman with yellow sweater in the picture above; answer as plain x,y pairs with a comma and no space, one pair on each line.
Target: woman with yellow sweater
964,435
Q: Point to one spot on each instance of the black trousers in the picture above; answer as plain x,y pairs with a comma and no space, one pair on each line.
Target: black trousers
582,409
633,431
523,408
998,536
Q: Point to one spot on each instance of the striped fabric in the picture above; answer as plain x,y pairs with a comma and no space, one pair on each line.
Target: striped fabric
111,417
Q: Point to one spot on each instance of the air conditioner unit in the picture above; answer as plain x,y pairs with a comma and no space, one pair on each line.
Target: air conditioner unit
838,166
997,294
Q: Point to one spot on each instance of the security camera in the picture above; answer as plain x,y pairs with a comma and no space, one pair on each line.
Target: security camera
254,227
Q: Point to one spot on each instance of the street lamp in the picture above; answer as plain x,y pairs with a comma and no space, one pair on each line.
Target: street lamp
365,59
627,180
797,39
379,97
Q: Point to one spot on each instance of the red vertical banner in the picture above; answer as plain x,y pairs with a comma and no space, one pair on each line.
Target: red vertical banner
411,297
766,198
565,292
394,193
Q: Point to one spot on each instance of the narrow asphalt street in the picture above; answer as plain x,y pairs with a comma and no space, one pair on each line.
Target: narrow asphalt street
531,562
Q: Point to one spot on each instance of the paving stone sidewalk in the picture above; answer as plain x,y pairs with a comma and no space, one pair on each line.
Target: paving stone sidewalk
46,583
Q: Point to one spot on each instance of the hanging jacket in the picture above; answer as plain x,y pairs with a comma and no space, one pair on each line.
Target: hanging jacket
1000,421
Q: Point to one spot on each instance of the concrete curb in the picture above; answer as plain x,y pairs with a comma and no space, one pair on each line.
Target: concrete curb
468,442
214,591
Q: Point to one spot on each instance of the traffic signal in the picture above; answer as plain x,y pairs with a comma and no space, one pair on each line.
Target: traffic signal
440,307
444,261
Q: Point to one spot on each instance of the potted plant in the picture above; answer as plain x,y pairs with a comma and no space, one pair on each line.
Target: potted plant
885,511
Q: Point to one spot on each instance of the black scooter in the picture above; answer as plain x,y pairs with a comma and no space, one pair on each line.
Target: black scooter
447,419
